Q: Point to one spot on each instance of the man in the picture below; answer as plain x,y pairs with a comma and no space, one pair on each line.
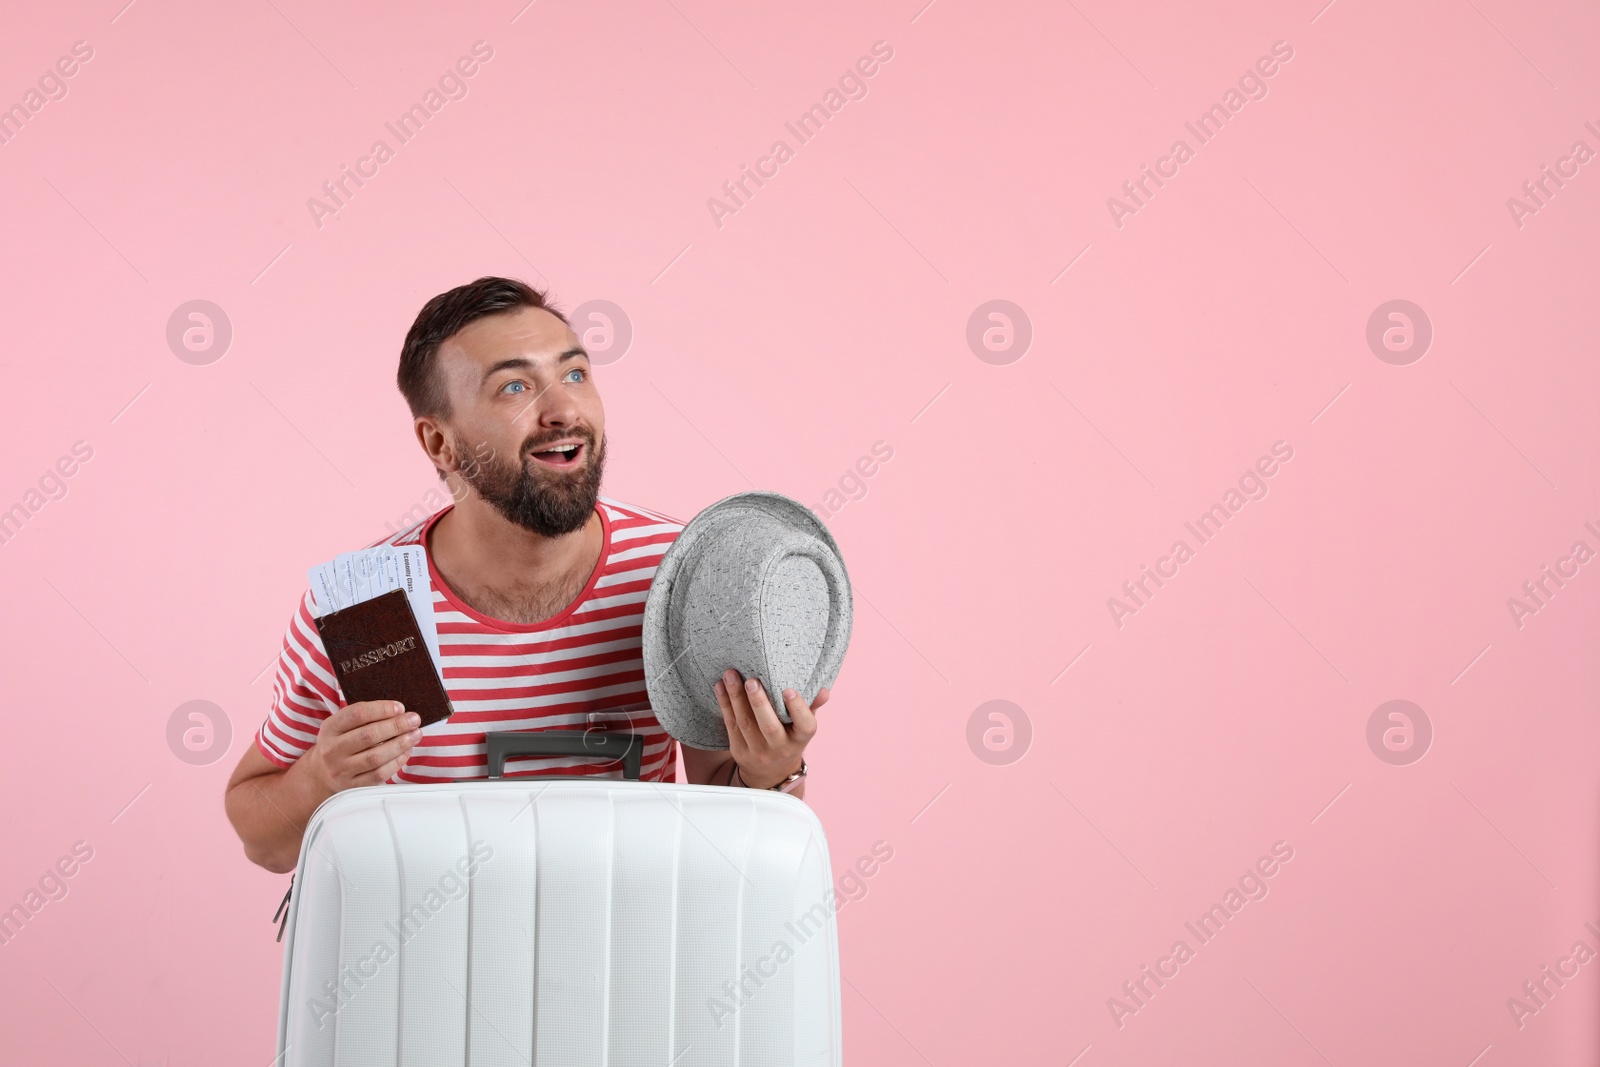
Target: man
539,588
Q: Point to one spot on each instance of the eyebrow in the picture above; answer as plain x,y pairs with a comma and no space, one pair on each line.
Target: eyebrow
523,363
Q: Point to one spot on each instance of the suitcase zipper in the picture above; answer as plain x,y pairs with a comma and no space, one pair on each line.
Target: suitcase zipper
283,909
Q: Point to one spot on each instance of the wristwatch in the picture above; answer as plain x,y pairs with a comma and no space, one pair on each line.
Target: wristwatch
791,783
788,785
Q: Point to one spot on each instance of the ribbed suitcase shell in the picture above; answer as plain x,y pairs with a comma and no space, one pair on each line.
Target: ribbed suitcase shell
564,923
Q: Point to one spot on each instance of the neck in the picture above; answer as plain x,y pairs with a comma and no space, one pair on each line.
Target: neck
507,571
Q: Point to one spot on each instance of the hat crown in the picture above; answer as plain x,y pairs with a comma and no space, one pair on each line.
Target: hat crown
761,603
754,583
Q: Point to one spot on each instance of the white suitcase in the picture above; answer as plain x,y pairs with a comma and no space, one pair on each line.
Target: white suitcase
561,922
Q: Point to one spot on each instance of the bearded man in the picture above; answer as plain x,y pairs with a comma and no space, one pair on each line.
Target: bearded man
539,587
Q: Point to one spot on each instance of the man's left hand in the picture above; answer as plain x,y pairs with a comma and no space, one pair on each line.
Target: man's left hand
767,749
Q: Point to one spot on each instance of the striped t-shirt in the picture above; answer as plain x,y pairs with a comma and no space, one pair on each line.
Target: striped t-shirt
573,671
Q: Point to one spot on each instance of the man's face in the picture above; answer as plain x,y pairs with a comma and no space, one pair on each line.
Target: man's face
526,428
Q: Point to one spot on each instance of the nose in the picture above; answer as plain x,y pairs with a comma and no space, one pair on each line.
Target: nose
552,409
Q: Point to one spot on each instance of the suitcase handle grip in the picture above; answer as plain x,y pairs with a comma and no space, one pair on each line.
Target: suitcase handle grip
599,744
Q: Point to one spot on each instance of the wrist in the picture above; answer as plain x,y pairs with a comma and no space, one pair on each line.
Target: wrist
317,783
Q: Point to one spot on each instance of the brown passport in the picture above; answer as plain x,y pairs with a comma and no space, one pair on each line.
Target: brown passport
377,652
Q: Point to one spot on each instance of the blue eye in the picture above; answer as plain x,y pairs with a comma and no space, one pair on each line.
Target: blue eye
577,372
513,387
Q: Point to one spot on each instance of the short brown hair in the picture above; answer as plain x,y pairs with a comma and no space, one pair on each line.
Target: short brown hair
444,316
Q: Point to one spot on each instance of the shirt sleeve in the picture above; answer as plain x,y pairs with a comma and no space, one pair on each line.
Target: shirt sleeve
304,692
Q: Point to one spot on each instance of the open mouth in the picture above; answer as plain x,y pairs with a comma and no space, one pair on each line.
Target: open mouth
567,455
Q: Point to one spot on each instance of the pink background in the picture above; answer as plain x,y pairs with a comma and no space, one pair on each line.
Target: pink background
829,313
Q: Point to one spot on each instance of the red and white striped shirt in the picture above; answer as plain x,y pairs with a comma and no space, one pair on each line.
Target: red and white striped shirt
568,672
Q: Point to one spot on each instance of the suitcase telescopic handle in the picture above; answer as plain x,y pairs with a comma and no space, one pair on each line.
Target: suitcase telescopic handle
598,744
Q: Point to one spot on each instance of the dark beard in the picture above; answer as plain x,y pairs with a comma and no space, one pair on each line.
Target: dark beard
548,502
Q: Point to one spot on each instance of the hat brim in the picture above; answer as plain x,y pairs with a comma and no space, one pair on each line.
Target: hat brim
694,718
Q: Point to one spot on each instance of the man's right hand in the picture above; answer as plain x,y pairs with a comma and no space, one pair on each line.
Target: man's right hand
269,806
363,744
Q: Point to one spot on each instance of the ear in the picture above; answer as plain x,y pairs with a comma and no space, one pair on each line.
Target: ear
436,444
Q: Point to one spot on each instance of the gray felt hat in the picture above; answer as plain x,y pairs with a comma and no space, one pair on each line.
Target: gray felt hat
755,582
